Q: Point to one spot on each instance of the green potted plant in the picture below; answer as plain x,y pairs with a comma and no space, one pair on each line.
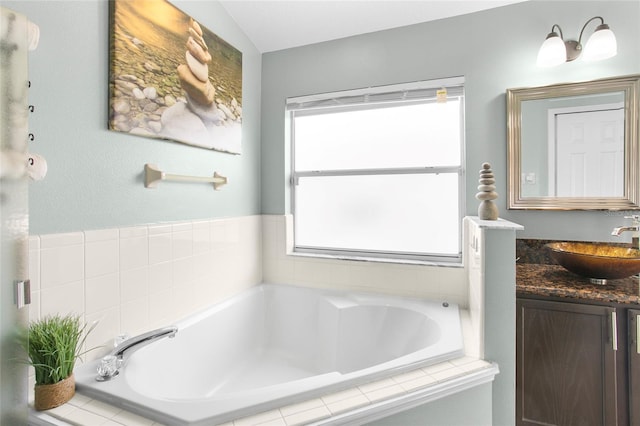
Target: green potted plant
53,344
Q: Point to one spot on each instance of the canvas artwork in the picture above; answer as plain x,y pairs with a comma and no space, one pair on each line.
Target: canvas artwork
171,78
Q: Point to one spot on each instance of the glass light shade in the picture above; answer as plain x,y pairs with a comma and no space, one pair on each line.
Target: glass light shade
552,52
601,45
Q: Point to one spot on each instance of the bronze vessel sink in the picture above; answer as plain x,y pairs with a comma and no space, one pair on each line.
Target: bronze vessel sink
598,261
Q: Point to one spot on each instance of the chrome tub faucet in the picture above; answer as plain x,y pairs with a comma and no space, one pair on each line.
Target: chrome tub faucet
131,345
110,364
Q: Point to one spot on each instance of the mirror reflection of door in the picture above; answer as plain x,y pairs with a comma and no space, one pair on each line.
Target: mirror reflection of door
589,143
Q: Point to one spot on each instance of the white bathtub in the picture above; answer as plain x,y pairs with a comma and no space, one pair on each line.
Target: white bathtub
275,345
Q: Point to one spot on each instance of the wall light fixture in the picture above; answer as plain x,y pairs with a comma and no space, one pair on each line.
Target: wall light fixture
555,50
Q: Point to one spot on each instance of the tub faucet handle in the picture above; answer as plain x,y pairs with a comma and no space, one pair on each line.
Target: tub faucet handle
108,368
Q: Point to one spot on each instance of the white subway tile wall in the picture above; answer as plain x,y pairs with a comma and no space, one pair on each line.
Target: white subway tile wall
473,253
138,278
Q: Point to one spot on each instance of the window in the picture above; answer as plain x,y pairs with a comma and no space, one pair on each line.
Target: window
378,172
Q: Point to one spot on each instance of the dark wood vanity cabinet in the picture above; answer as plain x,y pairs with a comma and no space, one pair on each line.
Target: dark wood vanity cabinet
576,364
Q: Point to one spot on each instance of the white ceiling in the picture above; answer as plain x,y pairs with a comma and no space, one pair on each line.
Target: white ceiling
280,24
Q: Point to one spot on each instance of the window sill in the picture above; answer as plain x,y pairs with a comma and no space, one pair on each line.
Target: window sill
395,261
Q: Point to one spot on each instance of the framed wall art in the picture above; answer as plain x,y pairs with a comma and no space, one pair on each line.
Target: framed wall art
171,78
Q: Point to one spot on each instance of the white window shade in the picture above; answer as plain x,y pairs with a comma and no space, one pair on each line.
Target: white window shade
421,91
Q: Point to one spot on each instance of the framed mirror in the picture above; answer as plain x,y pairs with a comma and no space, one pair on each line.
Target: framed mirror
574,146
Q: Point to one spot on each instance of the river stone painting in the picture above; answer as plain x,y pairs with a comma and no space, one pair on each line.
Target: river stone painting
171,78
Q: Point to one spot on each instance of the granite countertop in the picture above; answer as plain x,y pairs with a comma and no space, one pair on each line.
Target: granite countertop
555,281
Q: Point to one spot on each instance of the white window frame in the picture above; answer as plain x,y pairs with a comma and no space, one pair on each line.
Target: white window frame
354,99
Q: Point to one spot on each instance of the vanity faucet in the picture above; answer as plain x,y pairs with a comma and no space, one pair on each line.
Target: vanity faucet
635,228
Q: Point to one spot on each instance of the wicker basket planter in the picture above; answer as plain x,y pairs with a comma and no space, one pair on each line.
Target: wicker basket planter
54,395
53,344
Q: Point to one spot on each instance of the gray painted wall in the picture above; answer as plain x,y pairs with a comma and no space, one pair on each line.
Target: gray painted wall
95,175
494,50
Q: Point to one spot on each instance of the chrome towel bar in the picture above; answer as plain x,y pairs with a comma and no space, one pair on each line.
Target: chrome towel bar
152,175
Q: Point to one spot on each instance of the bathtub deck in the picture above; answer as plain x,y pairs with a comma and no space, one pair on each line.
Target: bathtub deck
420,386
